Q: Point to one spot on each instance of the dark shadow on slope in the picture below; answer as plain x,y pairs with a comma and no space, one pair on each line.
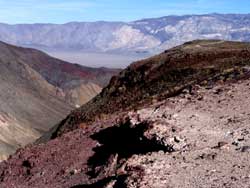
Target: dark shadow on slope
124,141
119,183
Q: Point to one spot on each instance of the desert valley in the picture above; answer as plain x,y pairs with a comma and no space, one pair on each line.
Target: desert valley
152,103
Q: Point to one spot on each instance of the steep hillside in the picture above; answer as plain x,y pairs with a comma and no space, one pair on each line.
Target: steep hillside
59,73
163,76
29,105
142,36
37,91
185,110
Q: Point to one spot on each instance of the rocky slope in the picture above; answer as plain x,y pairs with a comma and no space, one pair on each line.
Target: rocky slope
63,75
163,76
148,35
29,105
37,91
179,119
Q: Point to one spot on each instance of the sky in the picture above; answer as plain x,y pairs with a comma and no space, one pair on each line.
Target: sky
63,11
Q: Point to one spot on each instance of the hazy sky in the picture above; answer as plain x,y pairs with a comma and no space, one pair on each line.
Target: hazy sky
61,11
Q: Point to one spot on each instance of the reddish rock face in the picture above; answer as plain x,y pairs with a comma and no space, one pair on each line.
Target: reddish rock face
162,122
87,156
163,76
41,166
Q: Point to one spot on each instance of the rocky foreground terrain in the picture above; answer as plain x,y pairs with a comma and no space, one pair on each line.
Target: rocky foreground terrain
179,119
37,91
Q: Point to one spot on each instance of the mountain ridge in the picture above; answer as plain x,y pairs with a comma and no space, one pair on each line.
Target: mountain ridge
144,36
145,79
155,122
63,75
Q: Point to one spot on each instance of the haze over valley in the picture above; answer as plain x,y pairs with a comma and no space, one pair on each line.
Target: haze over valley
98,59
117,44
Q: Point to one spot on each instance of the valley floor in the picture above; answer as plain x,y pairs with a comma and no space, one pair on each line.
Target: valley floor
98,59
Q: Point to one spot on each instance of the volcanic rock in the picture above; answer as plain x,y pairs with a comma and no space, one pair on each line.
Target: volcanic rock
176,140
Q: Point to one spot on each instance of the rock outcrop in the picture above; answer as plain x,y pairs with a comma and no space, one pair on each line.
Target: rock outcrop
161,76
179,119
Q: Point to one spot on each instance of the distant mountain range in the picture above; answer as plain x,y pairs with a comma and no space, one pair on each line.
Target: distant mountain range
148,35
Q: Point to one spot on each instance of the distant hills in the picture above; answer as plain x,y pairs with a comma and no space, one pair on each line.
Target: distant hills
142,36
37,91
